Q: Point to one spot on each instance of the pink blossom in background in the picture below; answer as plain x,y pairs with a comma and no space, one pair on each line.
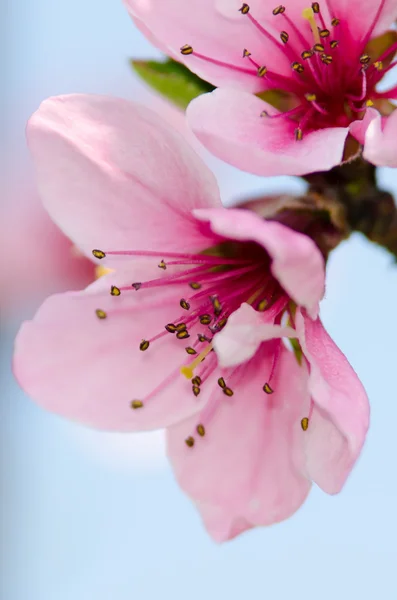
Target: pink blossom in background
317,68
37,258
186,330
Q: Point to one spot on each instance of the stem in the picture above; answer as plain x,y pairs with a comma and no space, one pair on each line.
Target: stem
368,209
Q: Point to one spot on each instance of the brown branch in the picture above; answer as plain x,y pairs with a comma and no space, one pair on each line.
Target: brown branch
368,209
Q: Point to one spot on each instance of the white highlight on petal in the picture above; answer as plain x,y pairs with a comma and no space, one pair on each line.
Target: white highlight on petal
229,8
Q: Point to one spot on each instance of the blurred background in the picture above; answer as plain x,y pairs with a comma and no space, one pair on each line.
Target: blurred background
88,515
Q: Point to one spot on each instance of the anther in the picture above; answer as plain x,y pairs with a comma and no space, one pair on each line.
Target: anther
186,50
284,37
221,383
181,327
298,134
203,338
334,44
378,65
335,22
162,265
171,328
190,350
326,59
196,390
228,392
200,430
189,441
244,9
184,304
216,305
220,325
100,313
267,389
310,97
305,423
307,54
183,335
369,103
324,33
137,286
262,71
99,254
365,59
279,10
316,7
296,66
205,319
262,305
318,48
144,345
115,291
194,285
246,53
136,404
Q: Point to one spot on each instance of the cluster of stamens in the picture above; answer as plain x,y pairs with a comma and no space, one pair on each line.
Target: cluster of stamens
334,75
216,284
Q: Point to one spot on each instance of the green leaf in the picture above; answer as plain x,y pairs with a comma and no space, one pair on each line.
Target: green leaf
172,80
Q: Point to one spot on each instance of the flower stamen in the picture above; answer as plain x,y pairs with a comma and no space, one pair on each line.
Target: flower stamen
136,404
200,430
305,423
115,291
99,254
215,61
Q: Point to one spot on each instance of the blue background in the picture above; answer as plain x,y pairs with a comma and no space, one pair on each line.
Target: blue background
87,515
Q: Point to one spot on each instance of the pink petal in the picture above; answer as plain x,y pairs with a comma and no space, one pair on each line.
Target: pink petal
363,16
113,175
229,124
297,263
90,370
340,418
39,259
139,24
244,333
358,128
380,140
222,524
217,30
250,460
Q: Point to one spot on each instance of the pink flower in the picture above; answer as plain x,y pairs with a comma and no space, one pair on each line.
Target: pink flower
40,259
317,68
249,427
